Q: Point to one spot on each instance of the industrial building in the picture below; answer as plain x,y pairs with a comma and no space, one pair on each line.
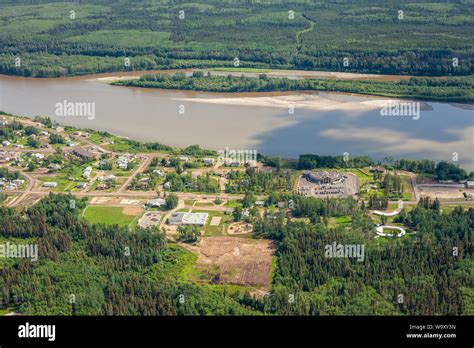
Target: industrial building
188,219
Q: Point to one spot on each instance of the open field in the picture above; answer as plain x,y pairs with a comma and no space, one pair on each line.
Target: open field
111,215
218,229
445,193
6,311
234,260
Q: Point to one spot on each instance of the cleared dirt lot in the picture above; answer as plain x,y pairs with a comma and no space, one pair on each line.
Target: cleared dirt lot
234,260
116,201
132,210
240,228
443,192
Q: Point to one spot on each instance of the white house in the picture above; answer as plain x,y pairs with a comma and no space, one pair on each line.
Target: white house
50,184
157,202
87,173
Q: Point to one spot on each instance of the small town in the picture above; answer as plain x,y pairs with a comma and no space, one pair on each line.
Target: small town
201,202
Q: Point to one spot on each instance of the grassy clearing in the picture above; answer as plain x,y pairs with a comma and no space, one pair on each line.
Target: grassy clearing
6,311
448,209
108,215
204,204
340,221
408,194
233,204
178,262
215,230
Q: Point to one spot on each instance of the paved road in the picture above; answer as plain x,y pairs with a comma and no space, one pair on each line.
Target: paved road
415,186
31,183
456,186
48,150
143,165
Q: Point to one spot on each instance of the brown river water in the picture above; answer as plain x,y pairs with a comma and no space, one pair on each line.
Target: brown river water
285,124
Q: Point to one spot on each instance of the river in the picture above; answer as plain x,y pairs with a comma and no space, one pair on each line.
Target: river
285,124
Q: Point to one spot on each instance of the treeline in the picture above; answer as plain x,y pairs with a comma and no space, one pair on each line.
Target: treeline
58,66
10,131
253,180
309,161
442,171
187,183
456,90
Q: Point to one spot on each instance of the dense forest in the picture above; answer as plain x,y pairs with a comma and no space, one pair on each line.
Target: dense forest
430,274
52,38
86,269
253,180
186,183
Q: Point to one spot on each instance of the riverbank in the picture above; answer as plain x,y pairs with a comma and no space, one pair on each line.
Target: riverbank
454,90
250,72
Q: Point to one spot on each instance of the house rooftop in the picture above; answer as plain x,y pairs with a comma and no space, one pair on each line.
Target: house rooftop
79,151
188,218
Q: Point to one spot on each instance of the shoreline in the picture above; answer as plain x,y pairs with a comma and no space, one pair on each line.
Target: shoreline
113,77
308,100
257,94
277,73
309,74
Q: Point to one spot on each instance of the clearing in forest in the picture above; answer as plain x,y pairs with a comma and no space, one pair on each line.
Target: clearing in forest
233,260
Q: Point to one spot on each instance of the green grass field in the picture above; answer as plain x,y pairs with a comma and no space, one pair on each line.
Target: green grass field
215,230
108,215
6,311
340,221
233,203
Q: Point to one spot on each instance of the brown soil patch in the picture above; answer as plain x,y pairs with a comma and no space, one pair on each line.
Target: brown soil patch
240,228
442,192
234,260
100,200
132,210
